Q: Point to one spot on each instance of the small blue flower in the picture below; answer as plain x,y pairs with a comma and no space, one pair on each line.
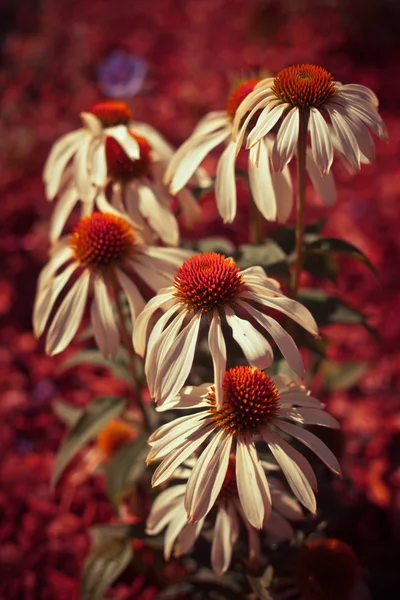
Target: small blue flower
121,74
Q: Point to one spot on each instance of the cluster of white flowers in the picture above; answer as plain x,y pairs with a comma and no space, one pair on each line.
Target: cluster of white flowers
127,180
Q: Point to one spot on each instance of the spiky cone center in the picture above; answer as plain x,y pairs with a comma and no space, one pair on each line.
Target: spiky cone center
326,569
304,86
122,168
113,437
207,281
250,400
111,112
238,95
102,240
229,487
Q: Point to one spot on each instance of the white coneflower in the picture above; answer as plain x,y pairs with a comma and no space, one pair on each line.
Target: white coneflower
168,511
104,253
272,191
309,93
254,406
212,286
134,186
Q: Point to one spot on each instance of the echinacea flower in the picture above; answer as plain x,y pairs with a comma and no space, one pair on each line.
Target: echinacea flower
272,191
86,148
254,407
168,511
212,286
306,95
135,183
104,254
324,569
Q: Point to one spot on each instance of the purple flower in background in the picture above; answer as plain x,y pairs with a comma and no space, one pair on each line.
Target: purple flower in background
121,74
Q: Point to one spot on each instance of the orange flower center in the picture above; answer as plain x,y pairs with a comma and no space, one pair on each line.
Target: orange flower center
238,95
251,400
304,86
326,569
111,112
114,436
120,166
206,281
102,240
229,487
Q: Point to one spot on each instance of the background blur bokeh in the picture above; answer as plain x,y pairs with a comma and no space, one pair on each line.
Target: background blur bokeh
53,64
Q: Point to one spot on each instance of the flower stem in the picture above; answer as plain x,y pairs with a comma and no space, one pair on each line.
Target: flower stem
301,200
256,223
127,343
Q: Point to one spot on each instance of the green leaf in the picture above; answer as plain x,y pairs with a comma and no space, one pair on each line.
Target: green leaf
323,266
96,359
267,255
285,236
259,585
103,565
93,419
330,245
126,468
216,244
67,413
102,533
338,376
327,309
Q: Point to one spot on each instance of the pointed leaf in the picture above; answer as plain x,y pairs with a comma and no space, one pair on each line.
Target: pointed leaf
103,565
126,468
330,245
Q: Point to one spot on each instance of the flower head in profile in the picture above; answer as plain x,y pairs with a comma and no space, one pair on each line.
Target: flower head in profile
105,256
272,191
131,182
307,94
254,407
168,510
212,288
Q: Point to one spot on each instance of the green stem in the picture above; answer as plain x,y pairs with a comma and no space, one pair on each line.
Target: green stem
127,343
301,200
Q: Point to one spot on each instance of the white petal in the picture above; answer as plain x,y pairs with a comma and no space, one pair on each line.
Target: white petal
294,465
295,396
294,310
98,169
346,138
159,215
321,143
92,123
163,507
176,367
82,177
173,530
68,317
160,301
187,538
60,255
310,416
189,156
211,123
261,185
105,329
225,184
254,345
324,183
62,210
313,442
184,428
283,340
190,208
221,549
190,397
60,155
155,139
132,294
165,430
217,346
46,296
279,527
207,478
121,134
286,505
266,121
252,484
165,470
286,140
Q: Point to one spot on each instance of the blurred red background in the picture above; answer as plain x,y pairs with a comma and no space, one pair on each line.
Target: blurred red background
50,52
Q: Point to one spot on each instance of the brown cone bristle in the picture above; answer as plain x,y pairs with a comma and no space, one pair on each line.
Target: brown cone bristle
251,400
111,112
114,436
102,240
238,95
206,281
122,168
326,569
304,86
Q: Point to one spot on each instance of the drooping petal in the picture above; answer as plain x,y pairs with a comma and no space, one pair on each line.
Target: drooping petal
255,347
252,484
217,346
82,178
160,301
105,329
346,137
132,294
225,184
324,183
69,316
98,169
221,549
162,508
187,538
121,134
159,216
261,185
46,297
266,121
313,442
310,416
321,143
61,212
60,155
286,140
279,527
